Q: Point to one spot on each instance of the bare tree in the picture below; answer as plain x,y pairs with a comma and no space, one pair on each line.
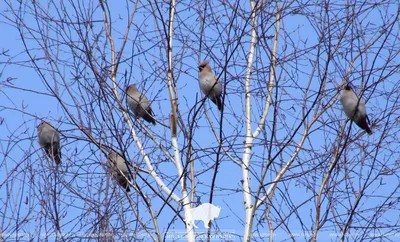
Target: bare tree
281,161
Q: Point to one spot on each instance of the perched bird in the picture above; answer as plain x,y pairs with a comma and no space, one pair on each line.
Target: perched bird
139,104
49,140
356,113
119,170
209,84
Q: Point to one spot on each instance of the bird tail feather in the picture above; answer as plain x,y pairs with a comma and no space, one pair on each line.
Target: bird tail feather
148,116
364,125
149,119
54,153
218,102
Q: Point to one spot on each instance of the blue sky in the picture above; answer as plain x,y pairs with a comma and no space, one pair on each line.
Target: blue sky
85,189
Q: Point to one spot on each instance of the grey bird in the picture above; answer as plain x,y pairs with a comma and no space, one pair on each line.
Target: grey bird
49,140
357,114
209,84
119,170
139,104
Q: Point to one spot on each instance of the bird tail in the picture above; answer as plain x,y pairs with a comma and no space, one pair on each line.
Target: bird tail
123,182
218,102
126,186
149,118
54,153
364,125
369,131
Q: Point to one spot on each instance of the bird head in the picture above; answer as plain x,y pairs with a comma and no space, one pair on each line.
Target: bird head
132,86
347,87
42,122
203,65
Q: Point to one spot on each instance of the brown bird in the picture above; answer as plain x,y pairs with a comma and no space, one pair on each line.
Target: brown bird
49,140
139,104
209,84
355,108
119,170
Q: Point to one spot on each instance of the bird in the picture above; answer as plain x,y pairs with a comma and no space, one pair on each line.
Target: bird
139,104
357,114
119,170
209,84
49,140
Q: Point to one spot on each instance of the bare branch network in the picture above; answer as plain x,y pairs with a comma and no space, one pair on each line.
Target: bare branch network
199,120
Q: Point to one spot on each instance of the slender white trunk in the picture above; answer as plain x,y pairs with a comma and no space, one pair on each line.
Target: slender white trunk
177,158
248,207
246,189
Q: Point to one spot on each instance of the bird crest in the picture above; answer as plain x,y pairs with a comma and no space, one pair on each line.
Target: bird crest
203,64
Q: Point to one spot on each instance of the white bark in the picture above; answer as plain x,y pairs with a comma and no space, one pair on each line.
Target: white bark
177,158
114,65
249,137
